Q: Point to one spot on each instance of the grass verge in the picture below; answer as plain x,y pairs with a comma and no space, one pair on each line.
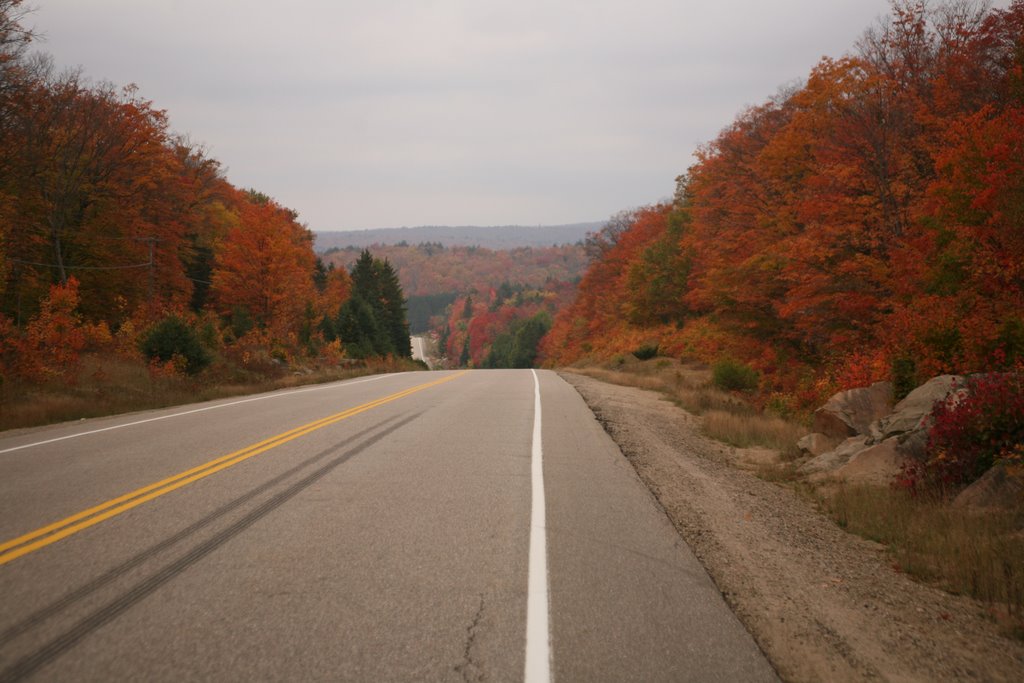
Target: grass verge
726,416
967,552
111,385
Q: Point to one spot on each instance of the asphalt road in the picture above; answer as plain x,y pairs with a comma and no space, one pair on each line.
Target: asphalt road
375,530
418,352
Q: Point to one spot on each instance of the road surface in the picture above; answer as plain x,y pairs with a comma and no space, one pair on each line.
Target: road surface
417,350
418,526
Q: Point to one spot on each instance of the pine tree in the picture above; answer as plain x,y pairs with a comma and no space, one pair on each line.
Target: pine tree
358,329
393,309
373,321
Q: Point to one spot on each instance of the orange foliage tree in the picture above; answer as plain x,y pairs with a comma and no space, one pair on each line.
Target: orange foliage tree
264,267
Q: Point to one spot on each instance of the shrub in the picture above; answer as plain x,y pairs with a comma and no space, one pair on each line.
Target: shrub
732,375
172,337
646,352
54,338
971,432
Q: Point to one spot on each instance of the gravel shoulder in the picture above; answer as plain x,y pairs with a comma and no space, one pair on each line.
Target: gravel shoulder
821,603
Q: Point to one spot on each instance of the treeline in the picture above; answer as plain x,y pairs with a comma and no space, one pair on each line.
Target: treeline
111,222
865,225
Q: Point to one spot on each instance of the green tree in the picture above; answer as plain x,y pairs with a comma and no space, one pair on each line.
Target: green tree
373,321
358,329
517,348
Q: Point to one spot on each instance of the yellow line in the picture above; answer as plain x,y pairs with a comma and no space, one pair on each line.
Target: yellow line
52,533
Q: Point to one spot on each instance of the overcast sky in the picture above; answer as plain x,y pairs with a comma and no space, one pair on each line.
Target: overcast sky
384,113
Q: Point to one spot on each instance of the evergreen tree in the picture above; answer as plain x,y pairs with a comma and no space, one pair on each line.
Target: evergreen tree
442,343
392,311
359,330
373,321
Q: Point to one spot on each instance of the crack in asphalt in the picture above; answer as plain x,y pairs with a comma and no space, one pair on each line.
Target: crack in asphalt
470,669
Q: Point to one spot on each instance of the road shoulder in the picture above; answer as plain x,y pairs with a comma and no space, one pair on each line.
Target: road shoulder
629,601
821,603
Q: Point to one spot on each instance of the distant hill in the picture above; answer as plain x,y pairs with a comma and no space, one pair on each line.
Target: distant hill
433,276
498,237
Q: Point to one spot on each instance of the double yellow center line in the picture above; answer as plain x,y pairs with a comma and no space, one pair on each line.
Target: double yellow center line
44,536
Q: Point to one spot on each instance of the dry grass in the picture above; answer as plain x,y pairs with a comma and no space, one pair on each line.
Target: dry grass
962,551
745,431
727,417
110,385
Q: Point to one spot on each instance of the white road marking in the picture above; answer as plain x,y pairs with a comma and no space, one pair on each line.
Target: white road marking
190,412
538,636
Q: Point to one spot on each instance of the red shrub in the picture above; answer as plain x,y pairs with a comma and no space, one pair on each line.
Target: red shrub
971,432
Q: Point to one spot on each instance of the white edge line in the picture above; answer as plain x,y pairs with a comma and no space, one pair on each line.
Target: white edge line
538,635
196,410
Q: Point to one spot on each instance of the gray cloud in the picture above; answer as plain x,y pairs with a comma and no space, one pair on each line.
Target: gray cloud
374,114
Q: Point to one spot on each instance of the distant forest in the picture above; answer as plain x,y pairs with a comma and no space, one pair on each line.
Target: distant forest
497,237
434,276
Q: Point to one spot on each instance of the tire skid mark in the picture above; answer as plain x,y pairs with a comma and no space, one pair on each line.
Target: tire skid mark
29,664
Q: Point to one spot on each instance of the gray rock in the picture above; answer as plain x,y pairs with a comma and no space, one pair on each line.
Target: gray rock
914,411
997,488
836,458
877,464
851,413
815,444
913,444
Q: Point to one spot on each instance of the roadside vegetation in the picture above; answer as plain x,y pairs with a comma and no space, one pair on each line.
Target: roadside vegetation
110,384
727,416
968,551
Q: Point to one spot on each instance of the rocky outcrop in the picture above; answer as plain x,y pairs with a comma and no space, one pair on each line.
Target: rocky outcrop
815,444
836,458
876,442
875,464
1000,487
913,412
852,412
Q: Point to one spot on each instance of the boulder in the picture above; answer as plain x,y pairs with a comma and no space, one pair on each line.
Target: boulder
815,444
913,444
914,411
836,458
851,413
877,464
1000,487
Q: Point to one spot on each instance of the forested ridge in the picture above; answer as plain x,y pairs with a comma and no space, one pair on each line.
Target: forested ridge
867,224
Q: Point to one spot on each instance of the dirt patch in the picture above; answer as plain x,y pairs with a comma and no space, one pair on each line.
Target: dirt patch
822,604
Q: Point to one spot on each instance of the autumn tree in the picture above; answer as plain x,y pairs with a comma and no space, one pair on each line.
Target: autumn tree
264,267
